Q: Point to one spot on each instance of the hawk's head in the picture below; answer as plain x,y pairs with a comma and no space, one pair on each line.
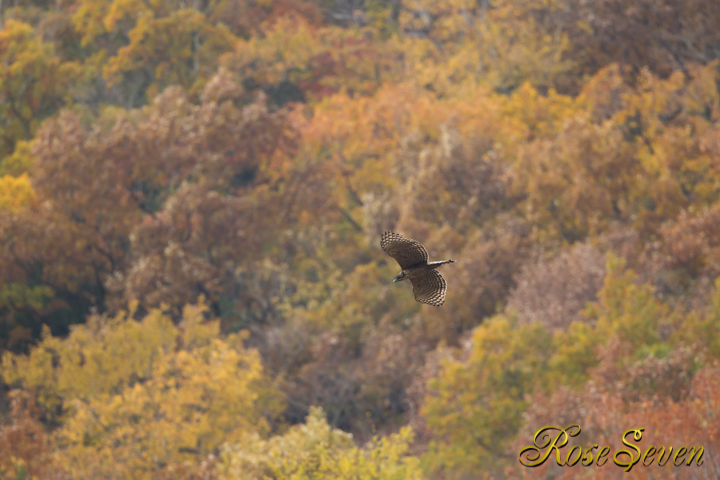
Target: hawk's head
400,276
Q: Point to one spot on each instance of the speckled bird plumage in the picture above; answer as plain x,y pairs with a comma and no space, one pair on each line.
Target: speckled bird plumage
428,285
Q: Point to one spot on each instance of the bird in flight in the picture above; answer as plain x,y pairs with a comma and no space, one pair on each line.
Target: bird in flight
428,285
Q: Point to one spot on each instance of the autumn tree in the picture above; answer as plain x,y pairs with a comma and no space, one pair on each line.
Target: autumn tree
665,37
183,392
100,190
34,84
556,291
293,60
316,450
147,46
27,449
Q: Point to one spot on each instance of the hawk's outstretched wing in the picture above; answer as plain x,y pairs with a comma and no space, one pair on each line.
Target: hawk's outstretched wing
405,251
429,288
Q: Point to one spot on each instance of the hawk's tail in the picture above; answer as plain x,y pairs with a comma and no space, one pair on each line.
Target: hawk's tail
437,264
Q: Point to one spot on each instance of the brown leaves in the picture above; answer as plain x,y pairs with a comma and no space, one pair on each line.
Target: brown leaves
25,447
665,36
459,182
484,277
554,292
151,204
603,417
691,243
189,248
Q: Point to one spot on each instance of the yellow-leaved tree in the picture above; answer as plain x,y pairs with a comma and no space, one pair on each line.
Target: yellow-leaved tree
147,46
315,450
15,193
34,84
139,399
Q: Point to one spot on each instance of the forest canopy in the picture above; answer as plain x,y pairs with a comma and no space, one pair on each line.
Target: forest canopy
192,195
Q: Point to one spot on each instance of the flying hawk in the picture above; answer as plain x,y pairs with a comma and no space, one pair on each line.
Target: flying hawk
428,285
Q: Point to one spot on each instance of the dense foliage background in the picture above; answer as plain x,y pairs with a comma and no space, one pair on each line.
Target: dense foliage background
191,198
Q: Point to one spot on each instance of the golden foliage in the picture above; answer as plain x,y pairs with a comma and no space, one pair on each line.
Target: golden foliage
138,397
34,83
315,450
15,193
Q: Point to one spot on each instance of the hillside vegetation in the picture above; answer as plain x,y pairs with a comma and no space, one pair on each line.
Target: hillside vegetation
192,194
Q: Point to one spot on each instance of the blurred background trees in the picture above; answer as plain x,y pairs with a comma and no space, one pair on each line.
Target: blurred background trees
192,193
